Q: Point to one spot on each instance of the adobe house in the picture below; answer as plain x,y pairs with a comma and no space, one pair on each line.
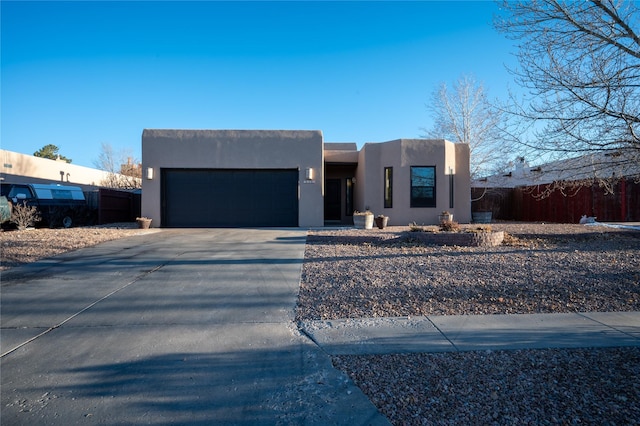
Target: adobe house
245,178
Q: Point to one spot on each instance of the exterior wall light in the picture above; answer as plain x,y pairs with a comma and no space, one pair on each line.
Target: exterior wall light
149,173
308,173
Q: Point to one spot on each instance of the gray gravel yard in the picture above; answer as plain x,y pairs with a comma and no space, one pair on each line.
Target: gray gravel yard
524,387
541,268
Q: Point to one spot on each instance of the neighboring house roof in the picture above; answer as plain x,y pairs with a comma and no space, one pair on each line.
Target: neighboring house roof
24,168
597,165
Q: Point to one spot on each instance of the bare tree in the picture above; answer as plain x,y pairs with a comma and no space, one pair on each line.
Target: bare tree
122,171
580,65
463,114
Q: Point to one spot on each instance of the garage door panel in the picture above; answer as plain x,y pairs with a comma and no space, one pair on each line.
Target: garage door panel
229,198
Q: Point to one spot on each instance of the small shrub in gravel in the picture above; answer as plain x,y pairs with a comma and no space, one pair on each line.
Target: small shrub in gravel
481,228
414,227
24,216
449,226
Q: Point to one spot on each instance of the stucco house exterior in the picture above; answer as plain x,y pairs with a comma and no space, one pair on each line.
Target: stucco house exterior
23,168
292,178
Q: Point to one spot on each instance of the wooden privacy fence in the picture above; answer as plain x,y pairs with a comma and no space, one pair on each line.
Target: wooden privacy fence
524,203
114,205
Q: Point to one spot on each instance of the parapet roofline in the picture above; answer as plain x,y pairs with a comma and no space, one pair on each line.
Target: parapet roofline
340,146
230,133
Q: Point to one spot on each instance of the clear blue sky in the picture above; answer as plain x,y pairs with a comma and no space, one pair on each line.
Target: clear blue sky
77,74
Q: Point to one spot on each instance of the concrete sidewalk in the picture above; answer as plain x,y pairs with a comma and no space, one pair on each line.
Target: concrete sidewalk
474,332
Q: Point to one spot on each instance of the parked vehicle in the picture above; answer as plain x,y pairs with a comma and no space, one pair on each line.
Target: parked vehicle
59,205
5,209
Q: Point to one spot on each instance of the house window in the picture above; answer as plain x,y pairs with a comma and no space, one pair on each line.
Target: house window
423,186
349,197
451,194
388,187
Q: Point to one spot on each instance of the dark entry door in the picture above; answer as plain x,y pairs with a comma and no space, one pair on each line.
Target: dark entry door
333,199
229,197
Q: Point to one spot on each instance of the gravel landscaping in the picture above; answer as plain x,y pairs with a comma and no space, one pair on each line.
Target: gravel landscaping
524,387
539,268
29,245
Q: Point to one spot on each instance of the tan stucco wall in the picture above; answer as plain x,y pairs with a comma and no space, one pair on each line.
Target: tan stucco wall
19,168
401,154
340,153
235,149
463,183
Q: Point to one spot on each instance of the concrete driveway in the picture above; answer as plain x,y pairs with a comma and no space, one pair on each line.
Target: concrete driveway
174,327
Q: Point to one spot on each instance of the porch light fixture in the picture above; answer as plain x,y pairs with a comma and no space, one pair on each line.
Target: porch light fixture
308,173
149,173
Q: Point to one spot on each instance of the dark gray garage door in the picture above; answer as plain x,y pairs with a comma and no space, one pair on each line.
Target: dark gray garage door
229,198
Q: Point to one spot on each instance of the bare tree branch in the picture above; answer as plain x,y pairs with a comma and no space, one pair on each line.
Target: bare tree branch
580,64
123,172
463,114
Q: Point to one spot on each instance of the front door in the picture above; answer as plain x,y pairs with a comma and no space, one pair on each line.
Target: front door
333,199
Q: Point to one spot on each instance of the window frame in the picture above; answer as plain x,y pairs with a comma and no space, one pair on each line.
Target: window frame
388,187
452,182
416,202
348,197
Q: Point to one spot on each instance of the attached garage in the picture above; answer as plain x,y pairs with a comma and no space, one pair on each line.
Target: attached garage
232,178
229,197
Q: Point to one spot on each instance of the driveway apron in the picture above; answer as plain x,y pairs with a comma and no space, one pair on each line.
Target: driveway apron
191,326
